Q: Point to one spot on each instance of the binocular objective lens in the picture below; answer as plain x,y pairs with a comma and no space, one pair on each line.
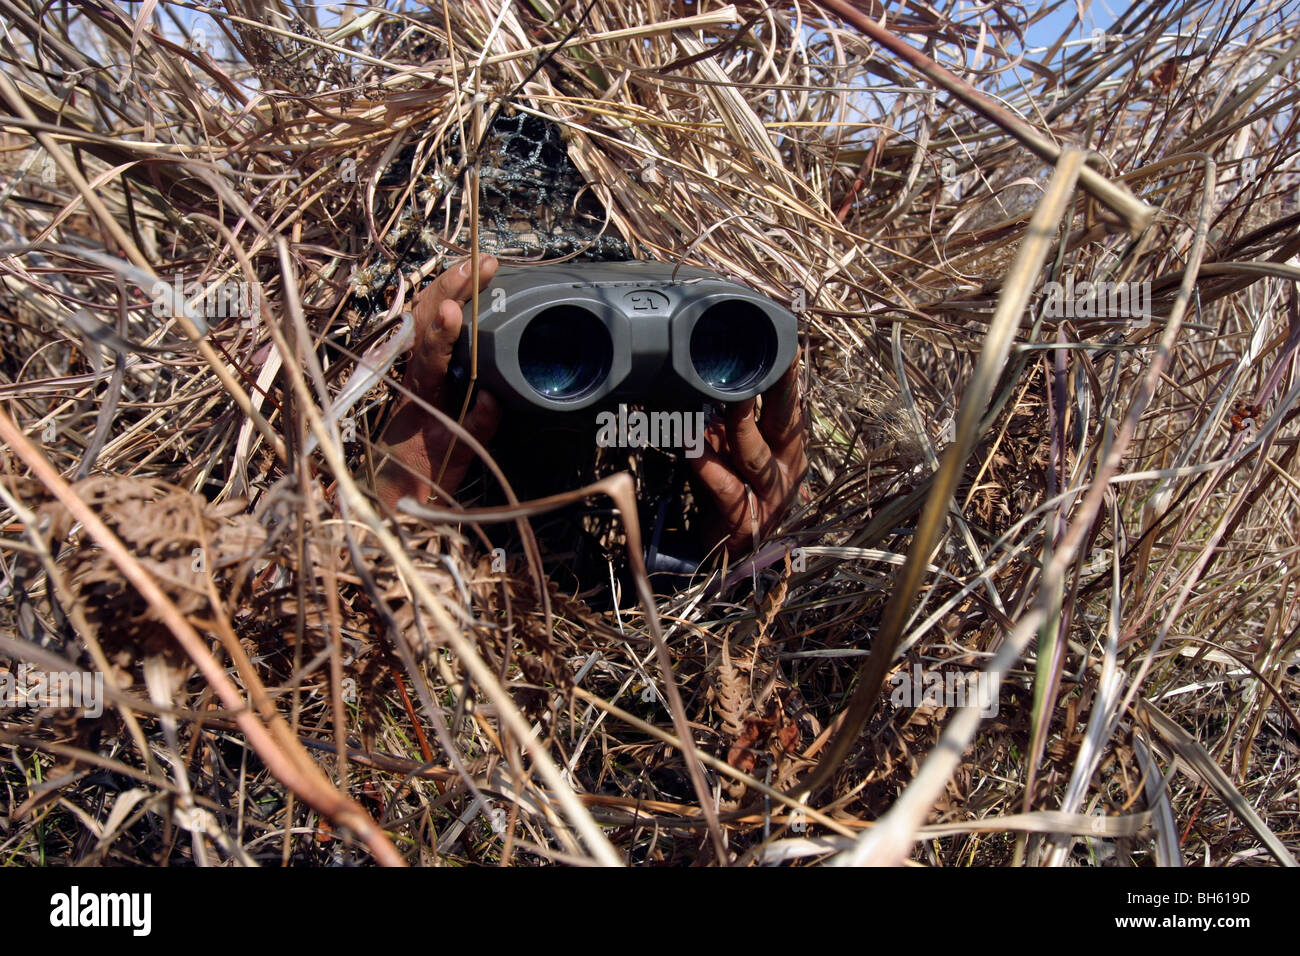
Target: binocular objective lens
565,352
733,345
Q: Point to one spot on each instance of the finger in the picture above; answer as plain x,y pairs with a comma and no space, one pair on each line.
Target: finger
441,340
438,319
452,286
782,423
749,451
484,417
455,284
715,433
725,488
481,421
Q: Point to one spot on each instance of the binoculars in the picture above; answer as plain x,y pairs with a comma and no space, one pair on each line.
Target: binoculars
561,338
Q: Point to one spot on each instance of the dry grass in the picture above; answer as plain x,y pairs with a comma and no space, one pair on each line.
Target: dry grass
1101,512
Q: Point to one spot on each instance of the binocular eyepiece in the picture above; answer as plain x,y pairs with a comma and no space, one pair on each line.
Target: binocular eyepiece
565,337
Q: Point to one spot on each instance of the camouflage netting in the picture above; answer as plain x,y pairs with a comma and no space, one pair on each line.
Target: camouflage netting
533,204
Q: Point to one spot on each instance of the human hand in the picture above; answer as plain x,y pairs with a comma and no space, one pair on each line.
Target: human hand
417,441
762,460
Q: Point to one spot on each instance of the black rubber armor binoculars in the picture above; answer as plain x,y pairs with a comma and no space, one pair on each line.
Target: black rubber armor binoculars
565,337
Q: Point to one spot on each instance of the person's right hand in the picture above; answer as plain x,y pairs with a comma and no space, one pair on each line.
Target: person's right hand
754,470
417,441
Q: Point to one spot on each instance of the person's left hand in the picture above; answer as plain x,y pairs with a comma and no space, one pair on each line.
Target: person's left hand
753,469
417,441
